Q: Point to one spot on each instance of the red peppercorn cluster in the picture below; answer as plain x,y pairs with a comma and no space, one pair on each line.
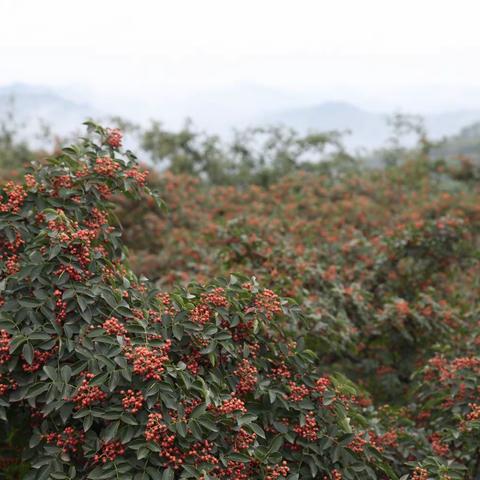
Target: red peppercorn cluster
322,384
155,428
358,443
7,384
113,327
71,271
243,440
60,307
30,181
280,371
389,439
149,362
273,473
40,358
308,431
62,181
268,303
334,475
109,452
475,413
167,307
16,195
192,360
420,474
201,314
139,176
298,392
216,297
201,452
12,265
132,401
70,440
236,470
88,394
5,339
437,446
156,431
232,405
248,377
114,137
104,190
106,166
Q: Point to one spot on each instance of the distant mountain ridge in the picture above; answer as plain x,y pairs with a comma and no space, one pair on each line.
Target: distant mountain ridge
367,129
30,104
219,111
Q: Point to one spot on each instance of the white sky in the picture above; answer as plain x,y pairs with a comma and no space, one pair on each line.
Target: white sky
139,48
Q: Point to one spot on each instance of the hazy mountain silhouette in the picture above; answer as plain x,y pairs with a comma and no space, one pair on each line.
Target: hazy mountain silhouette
368,129
31,104
217,111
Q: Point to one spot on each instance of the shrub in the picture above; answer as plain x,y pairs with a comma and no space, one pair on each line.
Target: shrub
104,377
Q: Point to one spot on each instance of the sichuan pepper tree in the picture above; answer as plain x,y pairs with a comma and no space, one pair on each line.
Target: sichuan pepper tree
105,377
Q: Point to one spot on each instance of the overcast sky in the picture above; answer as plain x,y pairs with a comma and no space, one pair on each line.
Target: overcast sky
382,52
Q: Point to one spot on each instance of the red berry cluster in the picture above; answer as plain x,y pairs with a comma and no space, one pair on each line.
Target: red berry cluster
216,297
5,339
149,362
30,181
192,360
268,302
156,431
88,394
16,195
132,401
114,137
438,447
200,314
12,265
298,392
358,444
308,431
166,304
322,384
62,181
232,405
389,439
248,377
243,440
139,176
334,475
475,413
70,440
106,166
236,470
420,474
7,384
60,306
201,452
277,471
155,428
109,452
113,327
280,371
40,358
71,271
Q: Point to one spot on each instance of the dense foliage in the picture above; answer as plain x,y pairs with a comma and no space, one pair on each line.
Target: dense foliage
339,341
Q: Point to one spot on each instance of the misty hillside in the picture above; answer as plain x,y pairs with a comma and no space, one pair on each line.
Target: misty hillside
220,111
367,129
32,104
